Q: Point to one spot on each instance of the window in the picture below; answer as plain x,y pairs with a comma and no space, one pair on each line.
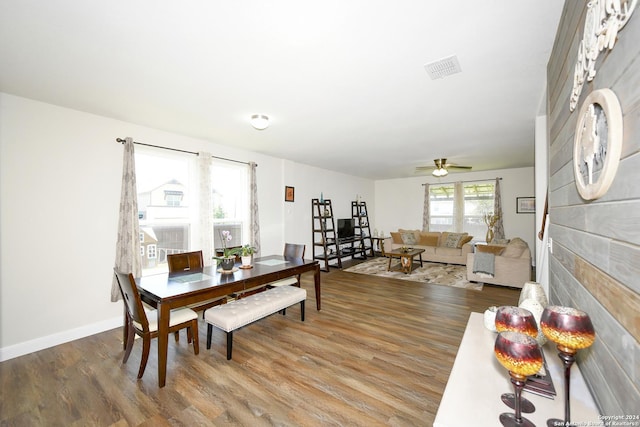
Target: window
230,182
477,201
168,201
164,180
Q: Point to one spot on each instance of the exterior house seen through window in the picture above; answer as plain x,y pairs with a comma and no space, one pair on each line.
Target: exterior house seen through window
168,204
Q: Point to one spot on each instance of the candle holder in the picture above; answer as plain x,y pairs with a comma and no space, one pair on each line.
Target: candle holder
516,319
520,354
571,330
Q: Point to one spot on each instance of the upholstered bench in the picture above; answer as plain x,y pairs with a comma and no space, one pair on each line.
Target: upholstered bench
236,314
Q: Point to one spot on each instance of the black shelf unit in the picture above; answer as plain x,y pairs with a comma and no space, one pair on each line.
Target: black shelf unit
327,247
360,214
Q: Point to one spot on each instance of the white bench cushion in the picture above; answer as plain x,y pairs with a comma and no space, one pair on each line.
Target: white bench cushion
238,313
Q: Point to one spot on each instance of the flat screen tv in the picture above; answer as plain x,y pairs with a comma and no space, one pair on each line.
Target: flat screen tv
346,228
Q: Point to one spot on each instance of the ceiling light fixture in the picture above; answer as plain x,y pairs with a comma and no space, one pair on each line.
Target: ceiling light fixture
440,172
260,121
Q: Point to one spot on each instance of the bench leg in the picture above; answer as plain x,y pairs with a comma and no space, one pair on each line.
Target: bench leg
209,331
302,310
229,344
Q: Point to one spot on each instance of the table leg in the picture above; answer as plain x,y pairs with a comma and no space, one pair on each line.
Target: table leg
163,342
389,266
316,279
421,260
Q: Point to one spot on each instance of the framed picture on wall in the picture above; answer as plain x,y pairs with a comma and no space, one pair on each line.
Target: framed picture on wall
525,205
288,194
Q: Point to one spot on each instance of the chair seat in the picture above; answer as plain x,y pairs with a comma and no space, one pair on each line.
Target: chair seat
179,315
284,282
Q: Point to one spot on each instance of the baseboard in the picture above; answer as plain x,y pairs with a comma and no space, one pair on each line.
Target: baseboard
37,344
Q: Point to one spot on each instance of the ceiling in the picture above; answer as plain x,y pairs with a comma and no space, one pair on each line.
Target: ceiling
343,82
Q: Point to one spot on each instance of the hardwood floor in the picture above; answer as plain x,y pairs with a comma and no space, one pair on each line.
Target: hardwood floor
379,353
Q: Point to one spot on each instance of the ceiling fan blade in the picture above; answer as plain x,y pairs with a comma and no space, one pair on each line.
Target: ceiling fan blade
451,166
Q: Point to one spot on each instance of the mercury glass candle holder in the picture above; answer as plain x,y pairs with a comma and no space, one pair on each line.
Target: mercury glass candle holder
510,318
520,354
517,319
571,330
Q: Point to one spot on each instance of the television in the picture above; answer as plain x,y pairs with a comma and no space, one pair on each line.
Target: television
346,228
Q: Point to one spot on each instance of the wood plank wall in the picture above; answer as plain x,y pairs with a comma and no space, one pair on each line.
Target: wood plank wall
595,264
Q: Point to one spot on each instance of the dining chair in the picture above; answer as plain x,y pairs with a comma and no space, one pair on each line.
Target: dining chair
144,323
192,262
291,250
185,261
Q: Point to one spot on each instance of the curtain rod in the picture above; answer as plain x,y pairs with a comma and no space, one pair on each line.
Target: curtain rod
453,182
122,141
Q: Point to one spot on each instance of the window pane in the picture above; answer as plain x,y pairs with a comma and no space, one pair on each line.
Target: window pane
163,180
230,182
478,200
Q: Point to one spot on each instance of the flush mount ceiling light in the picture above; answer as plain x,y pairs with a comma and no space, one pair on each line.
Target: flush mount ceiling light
260,121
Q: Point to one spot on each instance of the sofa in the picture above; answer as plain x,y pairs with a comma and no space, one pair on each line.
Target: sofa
511,264
445,247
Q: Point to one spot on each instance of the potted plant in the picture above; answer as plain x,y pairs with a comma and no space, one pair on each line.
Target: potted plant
228,258
246,253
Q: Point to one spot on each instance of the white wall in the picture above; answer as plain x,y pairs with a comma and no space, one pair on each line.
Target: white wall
400,201
60,174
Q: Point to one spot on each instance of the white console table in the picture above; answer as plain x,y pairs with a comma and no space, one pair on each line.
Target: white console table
477,380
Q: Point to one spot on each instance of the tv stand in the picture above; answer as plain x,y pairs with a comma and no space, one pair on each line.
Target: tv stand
327,247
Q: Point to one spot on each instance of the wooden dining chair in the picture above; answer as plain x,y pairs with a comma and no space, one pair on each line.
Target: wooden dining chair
192,262
144,323
291,250
186,261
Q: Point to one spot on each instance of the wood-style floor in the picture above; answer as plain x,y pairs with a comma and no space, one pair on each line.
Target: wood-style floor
379,353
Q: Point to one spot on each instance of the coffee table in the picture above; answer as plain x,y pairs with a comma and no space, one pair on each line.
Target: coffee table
406,258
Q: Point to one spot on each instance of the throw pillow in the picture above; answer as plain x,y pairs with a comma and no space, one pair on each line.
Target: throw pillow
408,238
453,240
465,240
515,248
496,250
429,238
396,237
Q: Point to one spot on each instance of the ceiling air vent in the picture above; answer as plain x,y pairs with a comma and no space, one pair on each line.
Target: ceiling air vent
443,67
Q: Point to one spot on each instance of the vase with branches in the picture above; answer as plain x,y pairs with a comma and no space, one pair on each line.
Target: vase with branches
490,219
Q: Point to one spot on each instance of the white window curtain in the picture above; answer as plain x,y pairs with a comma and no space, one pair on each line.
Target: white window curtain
458,207
253,208
498,230
128,243
205,206
426,218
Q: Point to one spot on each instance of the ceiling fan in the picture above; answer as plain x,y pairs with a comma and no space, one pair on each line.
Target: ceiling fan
441,168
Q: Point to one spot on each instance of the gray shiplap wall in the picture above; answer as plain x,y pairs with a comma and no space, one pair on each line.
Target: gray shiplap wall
595,264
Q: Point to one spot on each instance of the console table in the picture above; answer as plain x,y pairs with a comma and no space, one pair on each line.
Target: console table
477,380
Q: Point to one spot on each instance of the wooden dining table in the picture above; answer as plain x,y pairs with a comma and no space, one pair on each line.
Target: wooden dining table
168,291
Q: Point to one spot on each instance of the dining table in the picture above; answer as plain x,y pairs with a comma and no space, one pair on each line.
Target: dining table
166,291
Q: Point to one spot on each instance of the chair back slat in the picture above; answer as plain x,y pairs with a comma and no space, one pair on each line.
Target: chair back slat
132,299
185,261
294,250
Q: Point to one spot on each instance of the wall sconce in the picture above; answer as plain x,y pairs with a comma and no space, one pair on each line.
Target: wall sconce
260,121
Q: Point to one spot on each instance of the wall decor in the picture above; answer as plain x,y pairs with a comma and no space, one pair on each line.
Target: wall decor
289,193
597,144
525,205
603,21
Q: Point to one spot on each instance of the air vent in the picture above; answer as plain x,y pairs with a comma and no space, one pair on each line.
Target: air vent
443,67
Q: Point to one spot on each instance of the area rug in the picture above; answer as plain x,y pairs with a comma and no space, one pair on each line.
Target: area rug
431,272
